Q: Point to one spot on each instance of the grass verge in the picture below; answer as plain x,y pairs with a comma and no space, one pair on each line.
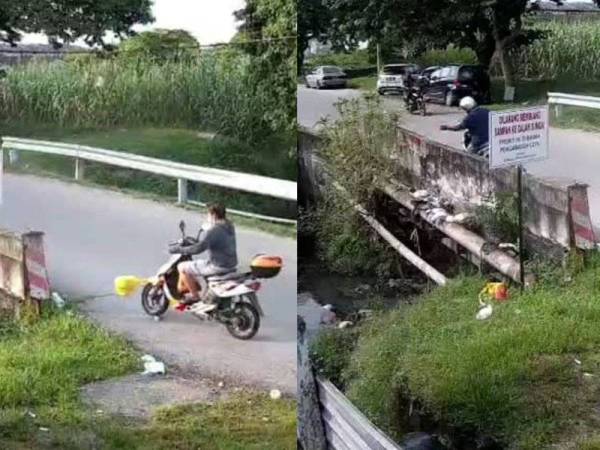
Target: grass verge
529,376
364,83
43,366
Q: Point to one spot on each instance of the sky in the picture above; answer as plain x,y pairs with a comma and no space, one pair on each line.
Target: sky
209,21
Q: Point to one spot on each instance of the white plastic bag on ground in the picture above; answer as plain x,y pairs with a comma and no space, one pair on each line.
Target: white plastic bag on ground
152,366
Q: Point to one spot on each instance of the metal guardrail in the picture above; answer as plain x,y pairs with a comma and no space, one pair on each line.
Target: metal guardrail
559,100
255,184
346,427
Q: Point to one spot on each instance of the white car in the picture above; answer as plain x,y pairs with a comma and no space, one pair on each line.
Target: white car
326,76
391,78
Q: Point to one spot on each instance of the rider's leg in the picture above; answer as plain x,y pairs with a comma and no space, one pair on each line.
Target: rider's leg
187,280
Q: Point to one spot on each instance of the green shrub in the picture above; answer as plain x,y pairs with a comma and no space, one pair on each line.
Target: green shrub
450,55
357,59
499,217
330,353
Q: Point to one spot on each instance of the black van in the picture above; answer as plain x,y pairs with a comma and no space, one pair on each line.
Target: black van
448,84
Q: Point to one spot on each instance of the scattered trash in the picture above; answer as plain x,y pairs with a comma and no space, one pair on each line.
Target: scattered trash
485,312
345,324
361,289
328,316
31,414
58,300
588,375
395,283
275,394
577,361
265,419
509,246
221,384
437,215
99,411
495,291
44,429
420,195
152,366
459,218
365,313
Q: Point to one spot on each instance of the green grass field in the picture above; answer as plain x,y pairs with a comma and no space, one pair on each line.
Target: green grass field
43,366
529,376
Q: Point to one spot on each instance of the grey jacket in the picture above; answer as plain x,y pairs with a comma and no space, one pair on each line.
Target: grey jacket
219,242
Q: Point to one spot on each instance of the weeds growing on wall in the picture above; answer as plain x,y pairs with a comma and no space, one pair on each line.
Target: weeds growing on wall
356,149
498,217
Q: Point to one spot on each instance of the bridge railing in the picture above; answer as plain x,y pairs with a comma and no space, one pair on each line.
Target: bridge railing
183,173
559,100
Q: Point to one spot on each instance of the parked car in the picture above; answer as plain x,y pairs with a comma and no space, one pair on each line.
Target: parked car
391,78
428,71
448,84
326,76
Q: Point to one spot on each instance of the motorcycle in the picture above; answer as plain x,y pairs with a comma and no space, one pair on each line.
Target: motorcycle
234,293
414,101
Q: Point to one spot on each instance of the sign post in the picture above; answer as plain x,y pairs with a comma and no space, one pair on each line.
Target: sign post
518,137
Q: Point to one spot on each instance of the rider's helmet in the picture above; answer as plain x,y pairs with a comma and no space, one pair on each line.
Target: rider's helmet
467,103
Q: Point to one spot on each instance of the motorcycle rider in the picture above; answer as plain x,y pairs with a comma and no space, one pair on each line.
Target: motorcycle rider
477,122
218,240
414,85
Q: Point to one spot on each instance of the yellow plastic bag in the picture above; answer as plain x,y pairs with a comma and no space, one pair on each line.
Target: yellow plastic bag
128,284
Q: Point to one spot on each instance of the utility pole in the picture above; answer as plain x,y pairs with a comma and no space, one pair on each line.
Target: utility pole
378,58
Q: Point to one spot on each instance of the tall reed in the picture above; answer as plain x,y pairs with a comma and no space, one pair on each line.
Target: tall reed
208,93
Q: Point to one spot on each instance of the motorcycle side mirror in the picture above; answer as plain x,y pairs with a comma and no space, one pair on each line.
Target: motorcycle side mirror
182,227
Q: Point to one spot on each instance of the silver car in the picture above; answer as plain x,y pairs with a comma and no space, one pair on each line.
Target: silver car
326,76
391,78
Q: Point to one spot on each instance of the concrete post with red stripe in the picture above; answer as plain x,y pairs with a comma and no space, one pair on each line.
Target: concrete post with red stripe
582,231
38,284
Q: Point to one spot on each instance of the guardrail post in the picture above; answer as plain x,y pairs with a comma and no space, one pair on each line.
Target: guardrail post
13,157
79,169
182,191
558,110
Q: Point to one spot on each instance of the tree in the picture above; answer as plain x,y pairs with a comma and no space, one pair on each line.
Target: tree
491,28
161,45
267,31
313,22
65,21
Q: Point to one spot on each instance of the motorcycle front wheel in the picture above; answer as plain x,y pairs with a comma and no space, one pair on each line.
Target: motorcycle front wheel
244,321
154,300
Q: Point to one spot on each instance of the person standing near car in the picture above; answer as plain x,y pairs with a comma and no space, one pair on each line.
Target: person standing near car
477,123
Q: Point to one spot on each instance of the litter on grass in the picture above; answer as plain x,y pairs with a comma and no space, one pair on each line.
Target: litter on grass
152,366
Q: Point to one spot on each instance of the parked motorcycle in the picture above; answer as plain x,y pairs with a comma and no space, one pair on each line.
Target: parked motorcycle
235,293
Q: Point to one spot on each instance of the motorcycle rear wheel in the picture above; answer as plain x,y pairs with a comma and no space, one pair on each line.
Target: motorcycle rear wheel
155,303
245,321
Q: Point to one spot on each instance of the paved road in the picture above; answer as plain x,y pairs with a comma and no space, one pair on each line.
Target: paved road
93,235
574,154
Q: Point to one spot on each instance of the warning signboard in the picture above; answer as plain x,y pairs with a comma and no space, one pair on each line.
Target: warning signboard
518,136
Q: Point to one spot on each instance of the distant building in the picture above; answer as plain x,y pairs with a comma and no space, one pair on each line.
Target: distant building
10,56
316,48
565,9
